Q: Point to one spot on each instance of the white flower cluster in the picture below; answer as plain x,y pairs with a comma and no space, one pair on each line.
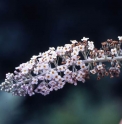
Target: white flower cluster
43,73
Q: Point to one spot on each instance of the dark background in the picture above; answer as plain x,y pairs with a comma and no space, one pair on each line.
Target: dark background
28,27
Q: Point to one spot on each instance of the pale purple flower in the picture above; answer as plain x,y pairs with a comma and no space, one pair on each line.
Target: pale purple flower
52,83
113,51
99,67
93,71
34,81
84,39
73,41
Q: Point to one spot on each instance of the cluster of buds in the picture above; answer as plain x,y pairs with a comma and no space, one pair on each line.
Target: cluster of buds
71,63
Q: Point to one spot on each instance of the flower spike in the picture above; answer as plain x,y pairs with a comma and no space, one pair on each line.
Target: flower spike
43,73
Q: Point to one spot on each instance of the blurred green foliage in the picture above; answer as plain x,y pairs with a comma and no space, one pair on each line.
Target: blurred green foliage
77,108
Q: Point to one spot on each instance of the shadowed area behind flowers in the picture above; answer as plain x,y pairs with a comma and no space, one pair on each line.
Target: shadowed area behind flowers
77,105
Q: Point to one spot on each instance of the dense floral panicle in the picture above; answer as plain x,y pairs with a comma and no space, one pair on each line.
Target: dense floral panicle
43,73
